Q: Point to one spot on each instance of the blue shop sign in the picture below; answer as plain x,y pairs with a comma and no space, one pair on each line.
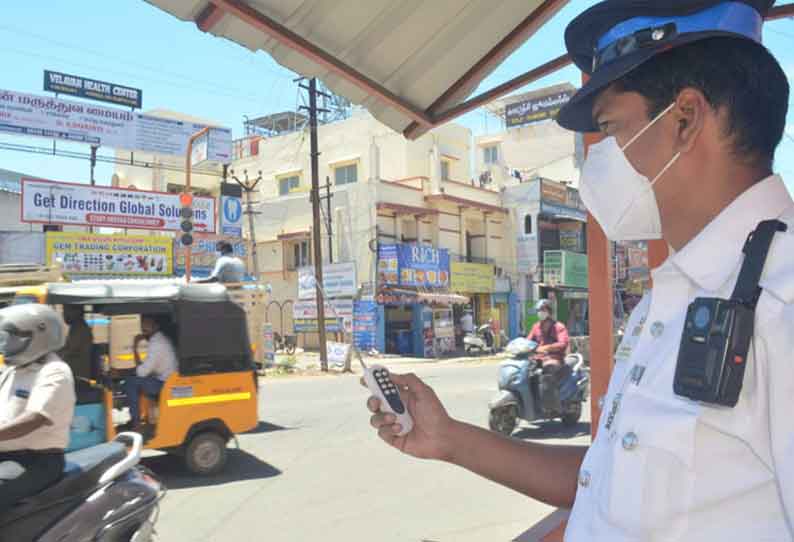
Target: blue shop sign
423,266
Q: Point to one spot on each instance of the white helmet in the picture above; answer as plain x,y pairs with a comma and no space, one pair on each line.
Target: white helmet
29,332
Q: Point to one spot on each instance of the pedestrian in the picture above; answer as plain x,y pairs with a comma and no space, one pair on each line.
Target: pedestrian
692,108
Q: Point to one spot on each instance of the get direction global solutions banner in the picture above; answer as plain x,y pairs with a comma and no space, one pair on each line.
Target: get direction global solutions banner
97,254
49,202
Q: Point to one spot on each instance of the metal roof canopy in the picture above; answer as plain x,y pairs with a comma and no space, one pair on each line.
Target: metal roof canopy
410,63
128,293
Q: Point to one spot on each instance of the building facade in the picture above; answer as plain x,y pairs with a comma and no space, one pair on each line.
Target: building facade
424,237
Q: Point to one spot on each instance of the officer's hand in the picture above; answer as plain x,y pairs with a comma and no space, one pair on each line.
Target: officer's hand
432,436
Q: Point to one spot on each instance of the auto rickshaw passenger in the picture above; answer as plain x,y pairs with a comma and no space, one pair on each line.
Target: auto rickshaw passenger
151,374
79,342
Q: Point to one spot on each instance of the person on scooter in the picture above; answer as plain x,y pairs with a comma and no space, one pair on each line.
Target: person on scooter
553,341
37,401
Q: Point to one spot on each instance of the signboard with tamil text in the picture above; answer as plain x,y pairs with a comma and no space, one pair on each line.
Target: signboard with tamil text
339,280
472,278
52,118
536,109
49,202
82,87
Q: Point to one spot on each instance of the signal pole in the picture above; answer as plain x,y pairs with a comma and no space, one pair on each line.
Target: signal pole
249,186
316,232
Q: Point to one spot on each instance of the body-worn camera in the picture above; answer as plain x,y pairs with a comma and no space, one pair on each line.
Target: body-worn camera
718,332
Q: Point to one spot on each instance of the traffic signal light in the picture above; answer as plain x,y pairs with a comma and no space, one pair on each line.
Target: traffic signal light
186,214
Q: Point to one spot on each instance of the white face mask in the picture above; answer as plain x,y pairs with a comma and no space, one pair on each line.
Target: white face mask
544,315
619,197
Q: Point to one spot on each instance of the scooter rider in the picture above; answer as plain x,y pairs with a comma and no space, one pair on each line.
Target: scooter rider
552,338
37,401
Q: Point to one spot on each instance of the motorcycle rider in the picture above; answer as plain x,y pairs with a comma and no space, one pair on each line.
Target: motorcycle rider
37,401
553,341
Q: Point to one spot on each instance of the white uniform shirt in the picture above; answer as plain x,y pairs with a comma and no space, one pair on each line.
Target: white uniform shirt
228,269
670,469
160,358
43,388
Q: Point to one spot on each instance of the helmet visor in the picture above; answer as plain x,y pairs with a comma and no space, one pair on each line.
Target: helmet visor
12,341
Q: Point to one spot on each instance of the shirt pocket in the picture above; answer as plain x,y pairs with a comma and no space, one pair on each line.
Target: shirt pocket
649,483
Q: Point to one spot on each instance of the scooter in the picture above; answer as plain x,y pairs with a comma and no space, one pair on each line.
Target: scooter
481,341
519,396
104,496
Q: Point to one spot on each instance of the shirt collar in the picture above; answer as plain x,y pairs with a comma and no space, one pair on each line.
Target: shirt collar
713,256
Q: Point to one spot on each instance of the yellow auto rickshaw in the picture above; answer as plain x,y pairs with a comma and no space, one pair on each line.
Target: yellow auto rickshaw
212,397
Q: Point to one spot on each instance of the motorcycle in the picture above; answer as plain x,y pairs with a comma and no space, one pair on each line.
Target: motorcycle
481,341
104,496
519,396
287,343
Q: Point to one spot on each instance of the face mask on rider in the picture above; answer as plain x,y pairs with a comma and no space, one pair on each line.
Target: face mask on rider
544,315
619,197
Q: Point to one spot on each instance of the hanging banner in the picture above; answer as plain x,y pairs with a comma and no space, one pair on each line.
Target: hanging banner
52,118
388,265
339,280
49,202
97,254
304,315
63,83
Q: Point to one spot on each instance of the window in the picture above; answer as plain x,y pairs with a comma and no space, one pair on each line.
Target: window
346,174
301,254
491,154
287,185
528,225
444,170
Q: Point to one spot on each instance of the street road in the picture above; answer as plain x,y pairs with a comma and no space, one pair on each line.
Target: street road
315,471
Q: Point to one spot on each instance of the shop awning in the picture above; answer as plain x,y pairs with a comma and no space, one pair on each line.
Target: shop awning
411,64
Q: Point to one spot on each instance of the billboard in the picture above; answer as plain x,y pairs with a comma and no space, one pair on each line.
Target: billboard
50,202
82,87
413,265
536,109
473,278
304,315
231,216
339,280
565,268
78,122
97,254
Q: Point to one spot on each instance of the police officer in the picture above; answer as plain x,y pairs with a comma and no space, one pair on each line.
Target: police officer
692,108
37,402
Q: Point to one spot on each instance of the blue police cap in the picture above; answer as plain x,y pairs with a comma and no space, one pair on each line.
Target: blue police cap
613,37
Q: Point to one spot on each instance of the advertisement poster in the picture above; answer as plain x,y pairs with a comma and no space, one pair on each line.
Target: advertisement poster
231,216
365,325
388,265
268,343
338,353
50,202
304,314
99,254
82,87
203,253
472,278
80,122
339,280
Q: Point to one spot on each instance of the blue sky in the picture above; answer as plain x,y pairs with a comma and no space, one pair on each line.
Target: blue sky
133,43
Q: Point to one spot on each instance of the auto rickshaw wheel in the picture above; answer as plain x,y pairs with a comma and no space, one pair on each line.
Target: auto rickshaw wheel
205,454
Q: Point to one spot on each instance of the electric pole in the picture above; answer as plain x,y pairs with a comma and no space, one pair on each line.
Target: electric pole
329,221
316,232
93,180
249,186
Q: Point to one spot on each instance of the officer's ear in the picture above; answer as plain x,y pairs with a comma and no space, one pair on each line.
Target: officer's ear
689,114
